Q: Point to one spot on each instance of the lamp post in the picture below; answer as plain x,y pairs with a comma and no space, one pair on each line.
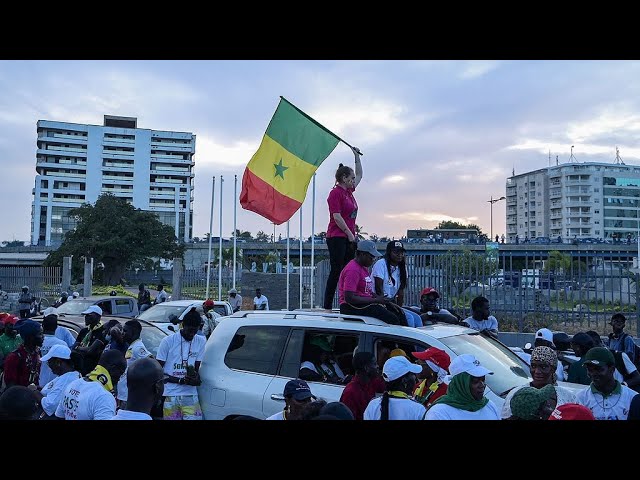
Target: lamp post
492,201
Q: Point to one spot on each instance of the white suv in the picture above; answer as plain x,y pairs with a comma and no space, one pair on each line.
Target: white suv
252,355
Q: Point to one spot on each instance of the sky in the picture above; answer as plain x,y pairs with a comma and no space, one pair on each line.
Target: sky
439,138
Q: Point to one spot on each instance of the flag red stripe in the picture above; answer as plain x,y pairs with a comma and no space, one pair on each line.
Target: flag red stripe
260,197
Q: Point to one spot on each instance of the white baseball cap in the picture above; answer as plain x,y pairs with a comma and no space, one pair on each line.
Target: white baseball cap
57,351
93,309
50,311
545,334
468,363
396,367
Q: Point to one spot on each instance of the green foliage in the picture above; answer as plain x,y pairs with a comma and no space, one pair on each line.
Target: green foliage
558,262
107,289
116,234
451,224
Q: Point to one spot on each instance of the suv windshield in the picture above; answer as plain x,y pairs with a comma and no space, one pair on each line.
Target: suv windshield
75,307
151,337
160,313
508,370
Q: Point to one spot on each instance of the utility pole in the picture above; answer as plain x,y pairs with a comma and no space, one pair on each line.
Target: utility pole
492,201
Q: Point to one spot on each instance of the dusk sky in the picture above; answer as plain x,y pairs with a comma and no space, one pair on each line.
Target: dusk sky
439,138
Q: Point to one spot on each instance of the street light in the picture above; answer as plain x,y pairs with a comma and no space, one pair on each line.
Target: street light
492,201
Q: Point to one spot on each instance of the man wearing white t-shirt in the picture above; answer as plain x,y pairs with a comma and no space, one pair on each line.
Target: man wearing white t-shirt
146,386
180,355
481,319
135,351
260,302
49,326
235,300
605,397
59,361
90,397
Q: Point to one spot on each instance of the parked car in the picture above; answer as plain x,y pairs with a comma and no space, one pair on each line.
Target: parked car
121,306
161,313
252,355
151,335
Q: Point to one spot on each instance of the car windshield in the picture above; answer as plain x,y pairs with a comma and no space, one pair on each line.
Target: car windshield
151,337
220,310
509,371
160,313
75,307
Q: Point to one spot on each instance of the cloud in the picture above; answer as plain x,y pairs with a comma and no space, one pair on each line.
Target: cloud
475,69
430,217
394,179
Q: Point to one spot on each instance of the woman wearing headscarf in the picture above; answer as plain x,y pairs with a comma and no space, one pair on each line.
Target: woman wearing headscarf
543,371
530,403
465,398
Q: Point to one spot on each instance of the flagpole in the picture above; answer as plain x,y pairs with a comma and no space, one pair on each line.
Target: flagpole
235,231
313,240
213,191
220,247
287,265
300,257
317,123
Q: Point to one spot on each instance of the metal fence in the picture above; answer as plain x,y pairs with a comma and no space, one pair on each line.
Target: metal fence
569,291
42,281
194,283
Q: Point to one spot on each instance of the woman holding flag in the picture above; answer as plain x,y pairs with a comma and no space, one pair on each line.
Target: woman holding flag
341,232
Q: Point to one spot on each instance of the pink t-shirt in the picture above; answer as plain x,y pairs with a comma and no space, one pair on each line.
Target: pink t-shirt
342,201
355,278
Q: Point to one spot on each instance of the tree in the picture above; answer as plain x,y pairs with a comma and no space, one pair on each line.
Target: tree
360,233
374,238
245,235
262,237
558,262
449,224
115,233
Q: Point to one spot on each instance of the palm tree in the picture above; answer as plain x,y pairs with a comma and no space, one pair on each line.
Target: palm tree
360,233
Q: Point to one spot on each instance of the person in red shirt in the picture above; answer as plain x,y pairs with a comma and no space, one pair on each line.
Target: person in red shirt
22,366
435,367
341,232
364,385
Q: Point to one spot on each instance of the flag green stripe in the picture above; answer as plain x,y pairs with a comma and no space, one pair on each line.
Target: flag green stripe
302,137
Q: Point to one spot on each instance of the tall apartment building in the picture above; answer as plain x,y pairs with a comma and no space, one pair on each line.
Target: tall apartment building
574,200
75,164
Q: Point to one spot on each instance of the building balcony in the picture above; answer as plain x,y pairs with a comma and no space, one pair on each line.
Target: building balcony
115,155
578,204
59,138
41,152
81,176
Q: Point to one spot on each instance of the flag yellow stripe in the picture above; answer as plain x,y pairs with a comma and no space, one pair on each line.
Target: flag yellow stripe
296,177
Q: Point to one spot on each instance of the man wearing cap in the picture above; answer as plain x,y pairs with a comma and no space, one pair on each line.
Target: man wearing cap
396,403
465,398
430,310
24,302
620,341
363,386
22,366
91,340
296,395
481,319
49,326
208,316
356,289
235,300
605,397
91,397
435,364
9,340
61,332
58,360
260,302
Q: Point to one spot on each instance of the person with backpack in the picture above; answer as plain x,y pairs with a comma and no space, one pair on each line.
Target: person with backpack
620,341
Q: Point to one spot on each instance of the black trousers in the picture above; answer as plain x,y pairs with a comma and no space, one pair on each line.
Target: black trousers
341,251
375,310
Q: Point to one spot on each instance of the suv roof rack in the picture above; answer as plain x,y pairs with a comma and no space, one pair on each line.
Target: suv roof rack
292,314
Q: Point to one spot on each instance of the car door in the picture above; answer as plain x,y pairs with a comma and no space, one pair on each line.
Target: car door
290,368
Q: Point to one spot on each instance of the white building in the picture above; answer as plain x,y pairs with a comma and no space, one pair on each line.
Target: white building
574,200
75,163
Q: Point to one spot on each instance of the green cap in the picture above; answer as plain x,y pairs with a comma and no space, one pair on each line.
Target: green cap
526,402
599,356
322,342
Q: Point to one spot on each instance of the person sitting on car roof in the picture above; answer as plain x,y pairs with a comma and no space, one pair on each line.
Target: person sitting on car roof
544,361
481,318
430,310
465,398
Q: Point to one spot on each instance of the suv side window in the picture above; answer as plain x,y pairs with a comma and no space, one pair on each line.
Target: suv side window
124,305
257,348
105,305
327,356
383,346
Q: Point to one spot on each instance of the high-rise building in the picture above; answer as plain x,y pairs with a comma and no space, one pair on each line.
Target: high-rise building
574,200
75,164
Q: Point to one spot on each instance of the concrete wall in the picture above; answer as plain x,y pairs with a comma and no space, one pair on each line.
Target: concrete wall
274,287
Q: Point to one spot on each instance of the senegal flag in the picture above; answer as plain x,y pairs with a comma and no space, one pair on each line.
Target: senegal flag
275,181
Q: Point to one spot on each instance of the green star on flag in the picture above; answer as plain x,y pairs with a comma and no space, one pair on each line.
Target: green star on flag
280,169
